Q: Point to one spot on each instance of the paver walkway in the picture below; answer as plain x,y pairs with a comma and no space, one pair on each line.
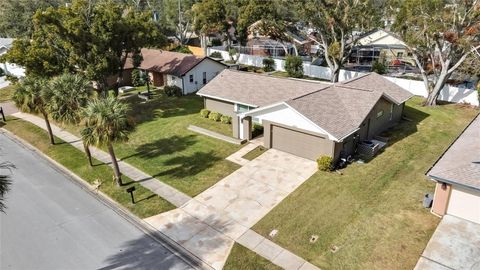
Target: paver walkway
165,191
237,157
209,224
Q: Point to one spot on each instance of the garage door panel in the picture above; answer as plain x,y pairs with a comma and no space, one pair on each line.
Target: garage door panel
464,204
300,143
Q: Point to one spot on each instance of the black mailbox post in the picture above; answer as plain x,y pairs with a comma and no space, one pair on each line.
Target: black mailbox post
131,190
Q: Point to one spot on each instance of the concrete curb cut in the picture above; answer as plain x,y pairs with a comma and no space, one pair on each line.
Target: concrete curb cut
146,228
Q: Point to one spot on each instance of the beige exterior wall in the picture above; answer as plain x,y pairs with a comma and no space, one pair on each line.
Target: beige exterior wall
464,203
296,141
225,108
375,124
440,199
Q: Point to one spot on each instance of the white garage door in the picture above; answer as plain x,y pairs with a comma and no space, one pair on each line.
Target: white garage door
464,204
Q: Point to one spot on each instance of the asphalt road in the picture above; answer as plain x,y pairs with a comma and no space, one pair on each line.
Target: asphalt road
52,223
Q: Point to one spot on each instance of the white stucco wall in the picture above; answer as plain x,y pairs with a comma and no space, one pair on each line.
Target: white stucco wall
174,80
283,114
210,66
464,204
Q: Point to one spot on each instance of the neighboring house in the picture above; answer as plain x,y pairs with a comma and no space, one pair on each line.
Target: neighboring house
10,69
306,118
5,44
457,174
380,45
189,72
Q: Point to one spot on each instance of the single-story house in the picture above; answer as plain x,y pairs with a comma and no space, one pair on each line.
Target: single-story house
187,71
306,118
457,177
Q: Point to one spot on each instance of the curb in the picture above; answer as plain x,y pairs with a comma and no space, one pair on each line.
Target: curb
146,228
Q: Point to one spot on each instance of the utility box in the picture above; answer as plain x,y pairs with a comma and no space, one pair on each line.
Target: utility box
428,200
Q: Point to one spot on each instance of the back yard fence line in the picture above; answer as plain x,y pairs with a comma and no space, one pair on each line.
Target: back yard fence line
449,93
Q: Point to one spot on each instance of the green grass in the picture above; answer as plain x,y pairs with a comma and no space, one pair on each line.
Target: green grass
162,146
255,153
243,258
147,203
6,93
373,212
224,129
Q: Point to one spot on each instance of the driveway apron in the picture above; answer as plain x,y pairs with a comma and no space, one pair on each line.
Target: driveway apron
209,224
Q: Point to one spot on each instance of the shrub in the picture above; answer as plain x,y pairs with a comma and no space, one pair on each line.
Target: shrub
216,42
216,55
137,78
225,119
257,130
215,116
182,49
325,163
13,79
172,90
379,68
294,66
204,113
2,72
268,64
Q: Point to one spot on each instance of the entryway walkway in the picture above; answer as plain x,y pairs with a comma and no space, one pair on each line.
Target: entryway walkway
209,224
237,157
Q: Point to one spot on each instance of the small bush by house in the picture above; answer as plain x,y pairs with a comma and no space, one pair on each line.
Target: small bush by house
379,68
217,55
215,116
225,119
216,42
204,113
182,49
172,90
325,163
1,72
137,78
268,64
294,66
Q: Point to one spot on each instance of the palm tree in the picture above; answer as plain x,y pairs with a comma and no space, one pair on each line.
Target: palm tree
28,98
5,182
106,122
67,95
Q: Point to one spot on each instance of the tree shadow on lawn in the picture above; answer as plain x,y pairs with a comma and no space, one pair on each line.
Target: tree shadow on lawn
164,107
405,127
165,146
189,165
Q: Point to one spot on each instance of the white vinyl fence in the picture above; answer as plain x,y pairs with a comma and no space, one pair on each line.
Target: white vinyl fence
448,93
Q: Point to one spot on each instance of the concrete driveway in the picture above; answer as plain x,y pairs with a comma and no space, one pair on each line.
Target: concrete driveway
210,223
454,245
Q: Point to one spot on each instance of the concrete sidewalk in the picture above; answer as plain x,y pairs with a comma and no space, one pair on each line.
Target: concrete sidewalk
209,224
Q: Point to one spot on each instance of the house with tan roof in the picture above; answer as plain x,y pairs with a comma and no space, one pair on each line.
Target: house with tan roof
457,177
187,71
306,118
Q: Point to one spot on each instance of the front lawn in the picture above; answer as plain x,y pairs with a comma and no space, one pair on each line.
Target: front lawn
243,258
163,147
147,203
372,214
6,93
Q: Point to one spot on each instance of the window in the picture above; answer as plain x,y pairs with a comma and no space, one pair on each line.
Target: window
243,108
399,54
204,77
191,78
379,113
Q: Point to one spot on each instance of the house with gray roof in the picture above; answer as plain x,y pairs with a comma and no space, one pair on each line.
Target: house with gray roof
5,44
457,177
306,118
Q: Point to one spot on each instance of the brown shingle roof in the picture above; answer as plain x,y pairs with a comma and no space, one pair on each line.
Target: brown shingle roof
172,63
375,82
336,109
461,162
257,90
